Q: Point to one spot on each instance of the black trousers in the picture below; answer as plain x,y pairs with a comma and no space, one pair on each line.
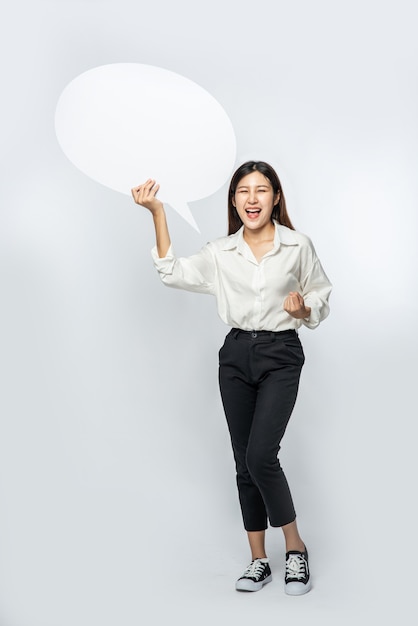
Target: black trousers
259,375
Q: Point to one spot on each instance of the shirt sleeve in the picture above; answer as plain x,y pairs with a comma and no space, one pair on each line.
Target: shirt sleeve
195,273
315,287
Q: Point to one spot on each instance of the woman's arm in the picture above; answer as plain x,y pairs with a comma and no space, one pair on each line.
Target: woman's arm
315,291
195,273
145,195
310,302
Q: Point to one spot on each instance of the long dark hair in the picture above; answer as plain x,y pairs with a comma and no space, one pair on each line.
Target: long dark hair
279,210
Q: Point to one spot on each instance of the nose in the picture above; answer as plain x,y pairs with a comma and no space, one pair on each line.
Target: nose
252,196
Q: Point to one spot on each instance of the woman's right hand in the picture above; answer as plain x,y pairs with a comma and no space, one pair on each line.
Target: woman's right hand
145,196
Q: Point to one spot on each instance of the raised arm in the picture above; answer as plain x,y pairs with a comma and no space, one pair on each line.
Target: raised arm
145,195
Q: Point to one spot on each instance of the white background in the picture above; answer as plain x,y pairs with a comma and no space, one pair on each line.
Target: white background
118,501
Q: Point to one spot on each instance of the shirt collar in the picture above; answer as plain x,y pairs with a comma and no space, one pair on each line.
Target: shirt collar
282,235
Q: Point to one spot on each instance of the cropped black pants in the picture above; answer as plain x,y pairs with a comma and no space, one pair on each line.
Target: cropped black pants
259,375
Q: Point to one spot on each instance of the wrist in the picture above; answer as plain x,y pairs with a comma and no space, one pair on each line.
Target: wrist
158,212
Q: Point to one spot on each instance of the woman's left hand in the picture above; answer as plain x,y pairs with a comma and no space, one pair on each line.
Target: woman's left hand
295,306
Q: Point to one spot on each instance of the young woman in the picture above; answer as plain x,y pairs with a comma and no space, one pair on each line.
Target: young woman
268,281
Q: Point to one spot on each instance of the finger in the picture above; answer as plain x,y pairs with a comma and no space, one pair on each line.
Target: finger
288,305
296,299
138,187
142,185
149,184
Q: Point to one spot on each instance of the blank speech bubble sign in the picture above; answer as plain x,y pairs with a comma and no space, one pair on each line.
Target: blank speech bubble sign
123,123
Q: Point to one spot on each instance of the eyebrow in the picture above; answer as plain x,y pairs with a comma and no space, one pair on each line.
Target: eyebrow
257,186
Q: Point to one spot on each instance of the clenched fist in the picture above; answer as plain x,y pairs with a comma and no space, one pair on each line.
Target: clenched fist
295,306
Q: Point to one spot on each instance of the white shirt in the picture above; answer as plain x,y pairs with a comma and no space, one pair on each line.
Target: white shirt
250,294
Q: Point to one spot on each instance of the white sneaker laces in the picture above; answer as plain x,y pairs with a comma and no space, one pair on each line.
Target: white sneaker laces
296,566
254,570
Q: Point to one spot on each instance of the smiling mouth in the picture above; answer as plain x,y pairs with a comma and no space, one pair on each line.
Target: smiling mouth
252,211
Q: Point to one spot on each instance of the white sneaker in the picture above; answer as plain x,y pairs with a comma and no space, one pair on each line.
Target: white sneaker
256,575
297,580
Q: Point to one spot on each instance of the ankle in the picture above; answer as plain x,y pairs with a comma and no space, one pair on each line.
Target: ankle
259,555
299,546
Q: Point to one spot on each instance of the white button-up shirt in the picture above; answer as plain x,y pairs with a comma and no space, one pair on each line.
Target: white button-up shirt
250,294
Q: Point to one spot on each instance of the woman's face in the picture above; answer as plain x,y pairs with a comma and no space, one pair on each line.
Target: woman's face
254,200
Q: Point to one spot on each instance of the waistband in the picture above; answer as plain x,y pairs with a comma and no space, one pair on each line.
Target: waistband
267,334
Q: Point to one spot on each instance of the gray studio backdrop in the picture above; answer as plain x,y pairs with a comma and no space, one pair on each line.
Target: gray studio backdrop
117,491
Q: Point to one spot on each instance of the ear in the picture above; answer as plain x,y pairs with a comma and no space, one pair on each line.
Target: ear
233,202
276,198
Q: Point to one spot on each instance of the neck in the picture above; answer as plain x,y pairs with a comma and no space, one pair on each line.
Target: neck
263,234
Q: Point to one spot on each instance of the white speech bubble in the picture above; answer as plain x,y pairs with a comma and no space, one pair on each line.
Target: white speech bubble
123,123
